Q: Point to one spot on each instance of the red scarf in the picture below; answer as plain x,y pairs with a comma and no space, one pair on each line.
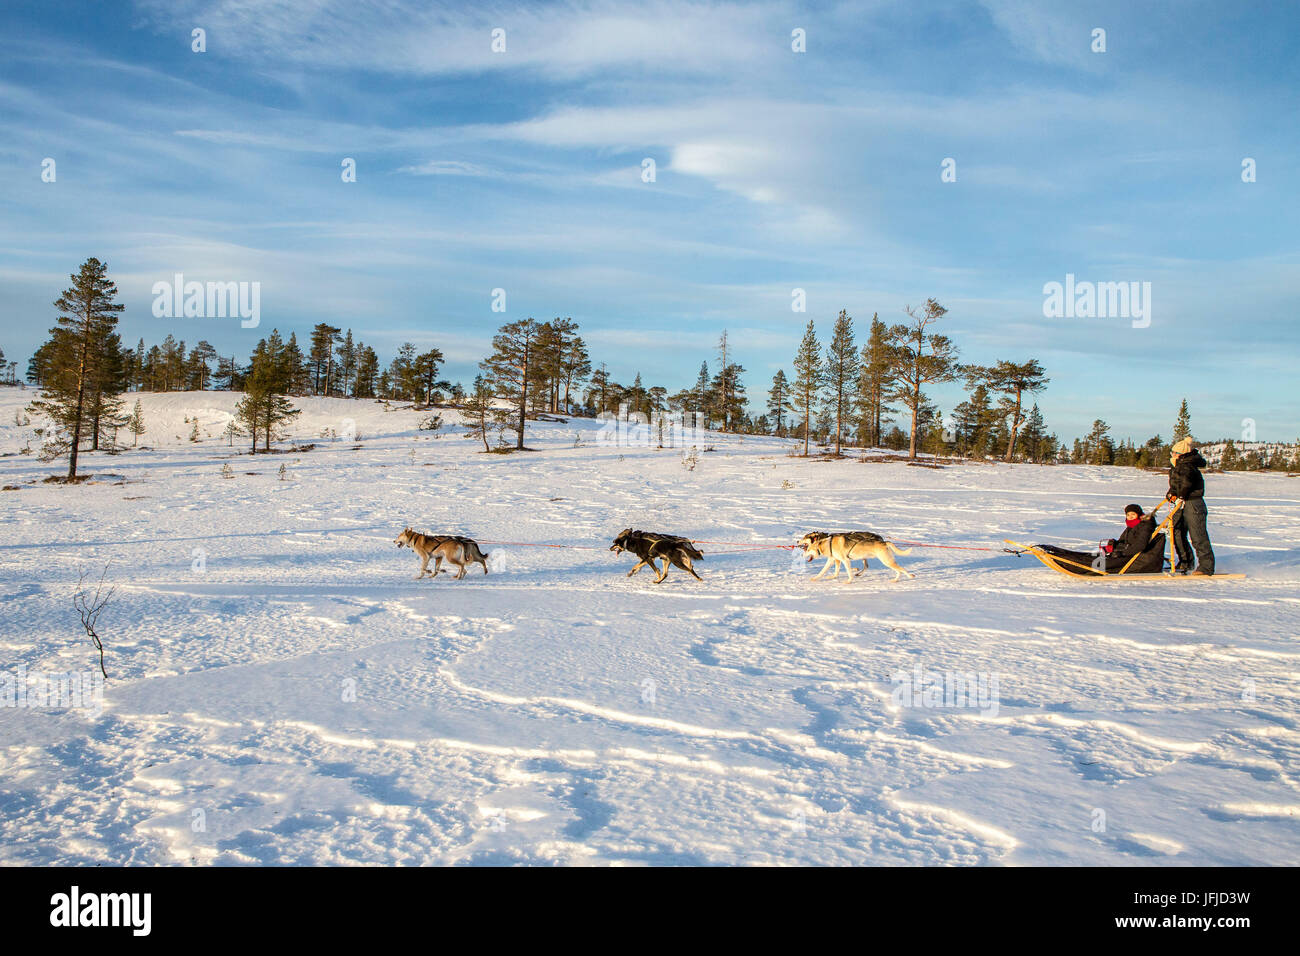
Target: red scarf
1132,522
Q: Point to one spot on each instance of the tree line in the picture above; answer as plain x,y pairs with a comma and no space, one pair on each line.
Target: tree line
838,394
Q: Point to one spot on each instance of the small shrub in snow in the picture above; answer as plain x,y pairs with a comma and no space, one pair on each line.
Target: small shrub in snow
89,607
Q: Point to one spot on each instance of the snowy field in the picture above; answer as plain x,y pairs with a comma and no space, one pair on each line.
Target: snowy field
282,691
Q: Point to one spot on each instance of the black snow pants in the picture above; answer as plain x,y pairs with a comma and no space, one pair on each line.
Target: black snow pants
1190,523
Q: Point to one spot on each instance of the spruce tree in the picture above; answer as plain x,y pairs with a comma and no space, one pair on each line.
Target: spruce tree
807,379
264,407
841,372
778,402
703,396
1183,428
135,424
1032,435
874,383
480,414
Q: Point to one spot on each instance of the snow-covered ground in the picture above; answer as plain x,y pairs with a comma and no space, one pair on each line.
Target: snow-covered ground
282,691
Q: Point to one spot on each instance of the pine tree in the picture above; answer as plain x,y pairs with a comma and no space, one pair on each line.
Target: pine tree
425,369
347,356
1013,380
367,372
1099,444
919,358
575,363
841,372
403,378
1183,428
509,368
808,379
75,377
599,388
321,356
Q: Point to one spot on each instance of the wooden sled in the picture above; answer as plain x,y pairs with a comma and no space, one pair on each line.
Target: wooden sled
1055,562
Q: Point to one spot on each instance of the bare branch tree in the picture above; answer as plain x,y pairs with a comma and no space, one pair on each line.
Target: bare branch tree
89,607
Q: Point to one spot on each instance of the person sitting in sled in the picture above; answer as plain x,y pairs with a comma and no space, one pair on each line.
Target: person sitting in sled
1135,539
1187,483
1114,555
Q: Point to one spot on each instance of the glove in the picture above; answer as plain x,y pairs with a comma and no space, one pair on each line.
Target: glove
1171,497
1108,546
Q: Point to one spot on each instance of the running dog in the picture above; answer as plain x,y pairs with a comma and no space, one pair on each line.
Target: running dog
457,551
647,545
849,546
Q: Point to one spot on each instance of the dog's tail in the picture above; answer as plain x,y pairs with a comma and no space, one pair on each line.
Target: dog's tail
896,549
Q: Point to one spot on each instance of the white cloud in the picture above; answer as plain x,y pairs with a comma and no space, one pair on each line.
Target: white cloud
561,39
445,167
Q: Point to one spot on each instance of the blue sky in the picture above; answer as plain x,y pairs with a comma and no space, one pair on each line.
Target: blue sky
775,170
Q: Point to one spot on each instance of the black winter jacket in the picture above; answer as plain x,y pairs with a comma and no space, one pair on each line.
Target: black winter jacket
1134,540
1185,479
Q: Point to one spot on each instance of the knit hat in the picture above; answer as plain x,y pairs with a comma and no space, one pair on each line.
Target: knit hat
1136,509
1182,447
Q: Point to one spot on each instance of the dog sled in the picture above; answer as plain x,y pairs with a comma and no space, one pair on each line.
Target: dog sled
1151,564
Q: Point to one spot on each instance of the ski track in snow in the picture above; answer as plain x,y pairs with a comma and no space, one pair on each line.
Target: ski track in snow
558,712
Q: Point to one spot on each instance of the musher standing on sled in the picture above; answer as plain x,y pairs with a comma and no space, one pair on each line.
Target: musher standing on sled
1185,482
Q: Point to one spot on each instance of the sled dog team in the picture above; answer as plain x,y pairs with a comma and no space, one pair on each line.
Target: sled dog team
648,546
1135,545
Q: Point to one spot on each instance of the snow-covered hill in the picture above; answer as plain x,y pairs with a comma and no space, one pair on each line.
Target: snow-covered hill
282,691
169,419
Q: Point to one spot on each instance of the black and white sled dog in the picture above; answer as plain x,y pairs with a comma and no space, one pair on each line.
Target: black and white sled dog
649,545
846,547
